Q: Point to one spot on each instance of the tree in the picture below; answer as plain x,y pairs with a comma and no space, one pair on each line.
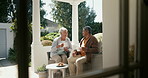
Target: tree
3,11
62,14
12,14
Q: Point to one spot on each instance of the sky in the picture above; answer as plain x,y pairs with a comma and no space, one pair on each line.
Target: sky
97,8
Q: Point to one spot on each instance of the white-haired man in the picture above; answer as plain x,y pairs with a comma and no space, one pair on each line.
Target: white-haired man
60,46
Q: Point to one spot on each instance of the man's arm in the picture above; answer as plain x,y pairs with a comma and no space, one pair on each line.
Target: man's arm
94,46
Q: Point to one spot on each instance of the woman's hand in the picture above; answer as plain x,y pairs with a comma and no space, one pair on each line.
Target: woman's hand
58,46
66,49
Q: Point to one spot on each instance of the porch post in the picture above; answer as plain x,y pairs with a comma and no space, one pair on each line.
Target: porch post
75,31
36,47
36,22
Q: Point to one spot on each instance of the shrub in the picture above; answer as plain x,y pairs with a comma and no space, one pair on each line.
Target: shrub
12,55
44,33
46,43
50,36
42,68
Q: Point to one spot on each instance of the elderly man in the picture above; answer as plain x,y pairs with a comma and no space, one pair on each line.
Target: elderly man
88,46
60,46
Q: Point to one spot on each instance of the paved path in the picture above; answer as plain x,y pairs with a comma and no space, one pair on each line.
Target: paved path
9,70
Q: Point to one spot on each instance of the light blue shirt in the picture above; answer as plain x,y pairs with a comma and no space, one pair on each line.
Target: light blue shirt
57,41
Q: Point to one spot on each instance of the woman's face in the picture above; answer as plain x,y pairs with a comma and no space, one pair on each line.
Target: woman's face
64,34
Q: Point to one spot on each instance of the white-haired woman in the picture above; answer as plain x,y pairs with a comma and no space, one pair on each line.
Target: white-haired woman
61,46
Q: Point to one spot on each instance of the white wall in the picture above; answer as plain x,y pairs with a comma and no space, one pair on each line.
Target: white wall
9,36
39,57
111,31
111,34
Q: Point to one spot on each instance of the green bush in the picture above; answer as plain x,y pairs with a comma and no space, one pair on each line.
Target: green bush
44,33
46,42
42,68
12,55
50,36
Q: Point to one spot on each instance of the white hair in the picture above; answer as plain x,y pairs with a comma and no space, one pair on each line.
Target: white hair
62,29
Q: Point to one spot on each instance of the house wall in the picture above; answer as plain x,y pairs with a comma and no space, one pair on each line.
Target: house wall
9,36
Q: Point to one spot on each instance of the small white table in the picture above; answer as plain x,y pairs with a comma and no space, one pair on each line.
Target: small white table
52,67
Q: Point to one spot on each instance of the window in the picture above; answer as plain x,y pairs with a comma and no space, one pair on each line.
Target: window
124,67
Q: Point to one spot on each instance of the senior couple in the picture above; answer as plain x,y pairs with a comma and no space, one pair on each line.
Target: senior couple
62,46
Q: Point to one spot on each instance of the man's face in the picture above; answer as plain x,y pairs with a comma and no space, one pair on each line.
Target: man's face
64,34
85,33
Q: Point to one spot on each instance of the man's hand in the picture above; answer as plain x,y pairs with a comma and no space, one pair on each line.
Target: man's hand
74,54
82,49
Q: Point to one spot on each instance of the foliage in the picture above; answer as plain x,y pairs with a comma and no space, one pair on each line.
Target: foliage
46,42
12,11
14,26
96,27
62,14
131,53
42,68
3,11
50,36
44,33
12,55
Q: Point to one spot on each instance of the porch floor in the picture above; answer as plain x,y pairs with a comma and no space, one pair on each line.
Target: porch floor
9,70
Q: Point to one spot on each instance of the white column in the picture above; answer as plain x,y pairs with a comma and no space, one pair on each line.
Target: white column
37,53
75,30
36,22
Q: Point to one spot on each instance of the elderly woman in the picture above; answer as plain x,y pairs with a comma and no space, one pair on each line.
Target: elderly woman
61,46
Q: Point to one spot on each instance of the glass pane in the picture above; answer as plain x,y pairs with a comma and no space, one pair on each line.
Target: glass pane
132,30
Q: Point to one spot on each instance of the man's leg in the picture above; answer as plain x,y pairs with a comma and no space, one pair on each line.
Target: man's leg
72,66
64,58
79,64
57,58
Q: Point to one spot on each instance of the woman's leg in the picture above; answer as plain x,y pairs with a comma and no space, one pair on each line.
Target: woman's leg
57,58
64,58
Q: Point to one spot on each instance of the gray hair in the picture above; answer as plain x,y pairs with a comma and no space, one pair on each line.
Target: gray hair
88,28
62,29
